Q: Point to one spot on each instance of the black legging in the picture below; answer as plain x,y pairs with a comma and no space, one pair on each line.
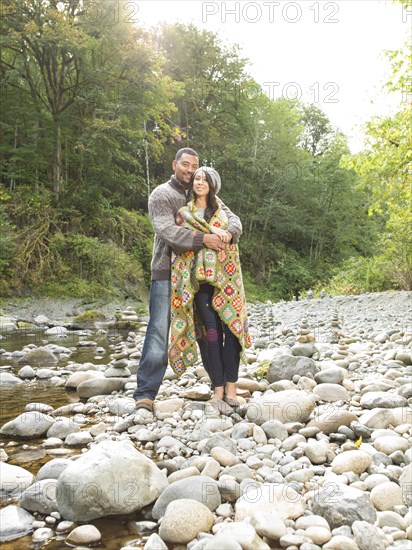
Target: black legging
223,355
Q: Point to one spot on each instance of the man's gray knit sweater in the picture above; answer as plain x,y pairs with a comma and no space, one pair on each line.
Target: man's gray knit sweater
164,202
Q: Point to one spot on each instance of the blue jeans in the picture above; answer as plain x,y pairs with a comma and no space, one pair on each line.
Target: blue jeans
153,362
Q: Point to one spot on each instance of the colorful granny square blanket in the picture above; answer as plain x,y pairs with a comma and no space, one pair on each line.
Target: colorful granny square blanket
189,269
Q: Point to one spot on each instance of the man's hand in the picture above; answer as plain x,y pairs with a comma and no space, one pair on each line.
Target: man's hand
225,236
214,242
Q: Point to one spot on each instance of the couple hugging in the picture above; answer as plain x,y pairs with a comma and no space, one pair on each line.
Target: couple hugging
196,289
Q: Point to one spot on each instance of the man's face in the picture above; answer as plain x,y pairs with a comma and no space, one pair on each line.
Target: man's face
185,167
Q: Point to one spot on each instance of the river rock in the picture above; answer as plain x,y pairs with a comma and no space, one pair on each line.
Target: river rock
377,418
221,541
342,505
351,461
331,392
284,406
284,367
85,534
165,409
390,444
122,405
14,523
8,379
29,424
76,378
244,534
62,428
201,488
154,542
383,400
367,536
7,324
331,375
53,468
269,497
40,497
104,386
268,524
111,478
184,519
27,372
14,479
386,495
328,418
39,357
405,481
78,439
340,542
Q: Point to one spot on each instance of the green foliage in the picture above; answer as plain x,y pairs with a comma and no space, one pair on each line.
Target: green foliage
89,315
357,275
261,370
92,116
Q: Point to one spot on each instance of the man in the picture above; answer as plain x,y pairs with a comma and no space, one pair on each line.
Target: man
164,202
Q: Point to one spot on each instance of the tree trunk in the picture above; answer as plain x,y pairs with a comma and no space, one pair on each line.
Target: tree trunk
57,162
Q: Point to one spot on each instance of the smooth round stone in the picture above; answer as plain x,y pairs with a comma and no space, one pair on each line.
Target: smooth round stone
391,519
65,526
221,541
375,479
331,392
386,495
78,439
14,523
351,461
268,524
85,534
211,469
317,452
42,534
333,375
311,521
223,456
184,519
340,542
390,444
319,535
183,474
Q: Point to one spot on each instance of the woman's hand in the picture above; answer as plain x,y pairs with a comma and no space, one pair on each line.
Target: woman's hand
225,236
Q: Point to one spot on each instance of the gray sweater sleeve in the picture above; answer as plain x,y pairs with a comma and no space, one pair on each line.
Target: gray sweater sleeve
235,225
162,214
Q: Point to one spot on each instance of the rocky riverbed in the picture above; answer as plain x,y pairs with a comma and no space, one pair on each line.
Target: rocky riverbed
317,456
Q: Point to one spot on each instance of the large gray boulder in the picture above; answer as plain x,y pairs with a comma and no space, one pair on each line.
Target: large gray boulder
14,523
285,406
113,478
285,367
342,505
27,425
204,489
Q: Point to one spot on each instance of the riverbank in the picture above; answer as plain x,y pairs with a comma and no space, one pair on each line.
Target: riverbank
317,456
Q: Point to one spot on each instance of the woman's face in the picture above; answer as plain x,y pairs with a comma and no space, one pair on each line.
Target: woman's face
200,185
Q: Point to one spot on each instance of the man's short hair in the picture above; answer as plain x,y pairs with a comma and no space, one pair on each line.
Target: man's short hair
186,151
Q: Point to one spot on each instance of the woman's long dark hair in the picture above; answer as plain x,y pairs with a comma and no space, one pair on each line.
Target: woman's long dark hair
212,204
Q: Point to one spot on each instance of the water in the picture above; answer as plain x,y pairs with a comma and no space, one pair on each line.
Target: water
30,454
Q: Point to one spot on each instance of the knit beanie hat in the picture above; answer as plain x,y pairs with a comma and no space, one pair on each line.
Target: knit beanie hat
216,181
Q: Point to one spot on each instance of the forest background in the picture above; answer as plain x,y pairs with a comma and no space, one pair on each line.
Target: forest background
93,110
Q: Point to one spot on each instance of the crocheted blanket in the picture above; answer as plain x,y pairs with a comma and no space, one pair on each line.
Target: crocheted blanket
220,269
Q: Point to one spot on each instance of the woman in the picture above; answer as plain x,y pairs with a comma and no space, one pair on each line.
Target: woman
208,301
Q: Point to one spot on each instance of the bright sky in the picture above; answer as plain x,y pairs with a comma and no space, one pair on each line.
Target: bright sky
327,52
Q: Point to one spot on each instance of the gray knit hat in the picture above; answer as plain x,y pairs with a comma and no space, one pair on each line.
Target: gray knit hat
216,181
